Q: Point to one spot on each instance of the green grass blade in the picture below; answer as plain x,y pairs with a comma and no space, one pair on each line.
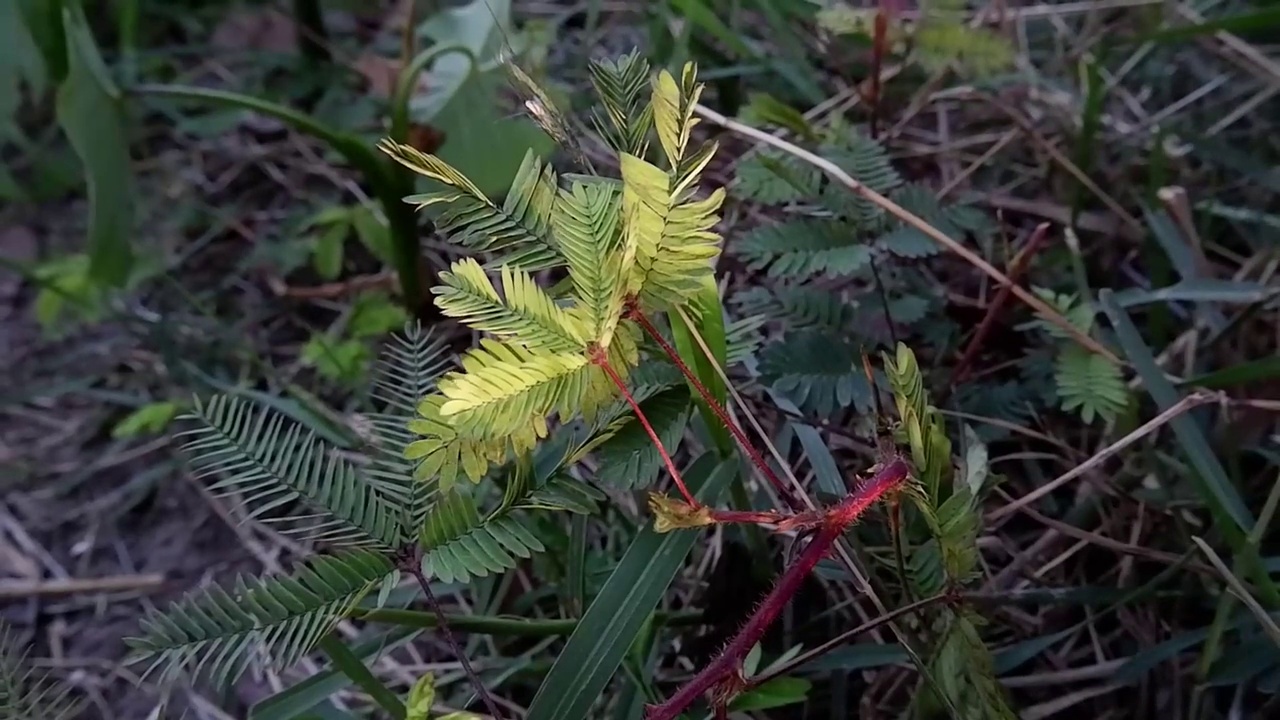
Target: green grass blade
306,695
352,665
91,112
1213,484
708,315
594,651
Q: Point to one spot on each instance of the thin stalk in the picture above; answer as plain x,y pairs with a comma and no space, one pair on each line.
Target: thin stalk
756,458
844,637
725,665
899,553
510,626
416,570
653,436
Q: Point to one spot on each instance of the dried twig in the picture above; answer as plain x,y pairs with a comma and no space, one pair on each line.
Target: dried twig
893,208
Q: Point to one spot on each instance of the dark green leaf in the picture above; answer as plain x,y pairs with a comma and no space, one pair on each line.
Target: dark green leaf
618,613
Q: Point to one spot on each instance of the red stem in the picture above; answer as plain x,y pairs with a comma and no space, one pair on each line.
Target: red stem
837,519
644,421
756,458
1016,268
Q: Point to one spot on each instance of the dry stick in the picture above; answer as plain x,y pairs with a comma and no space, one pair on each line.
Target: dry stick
726,664
415,569
1193,400
848,635
756,458
1019,264
644,422
893,208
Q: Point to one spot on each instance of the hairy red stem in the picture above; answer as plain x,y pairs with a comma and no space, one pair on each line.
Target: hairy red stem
754,455
644,422
1016,268
893,474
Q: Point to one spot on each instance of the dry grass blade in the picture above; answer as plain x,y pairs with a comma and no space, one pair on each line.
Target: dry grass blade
1191,401
893,208
1241,592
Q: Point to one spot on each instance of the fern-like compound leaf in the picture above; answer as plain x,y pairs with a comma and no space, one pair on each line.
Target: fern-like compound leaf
800,249
458,544
407,370
442,454
673,238
272,463
673,118
774,179
629,459
524,313
518,230
817,372
261,622
588,231
26,693
1089,384
625,116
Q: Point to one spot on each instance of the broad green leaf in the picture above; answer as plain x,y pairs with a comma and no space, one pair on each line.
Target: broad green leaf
605,634
375,315
481,140
91,112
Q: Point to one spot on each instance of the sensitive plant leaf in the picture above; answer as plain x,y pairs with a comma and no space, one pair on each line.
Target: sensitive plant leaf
799,249
91,112
774,179
261,621
524,313
519,228
1089,384
275,464
819,373
624,116
628,459
588,227
672,235
26,692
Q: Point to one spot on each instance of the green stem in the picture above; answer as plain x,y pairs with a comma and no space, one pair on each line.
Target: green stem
407,81
490,625
388,184
353,667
